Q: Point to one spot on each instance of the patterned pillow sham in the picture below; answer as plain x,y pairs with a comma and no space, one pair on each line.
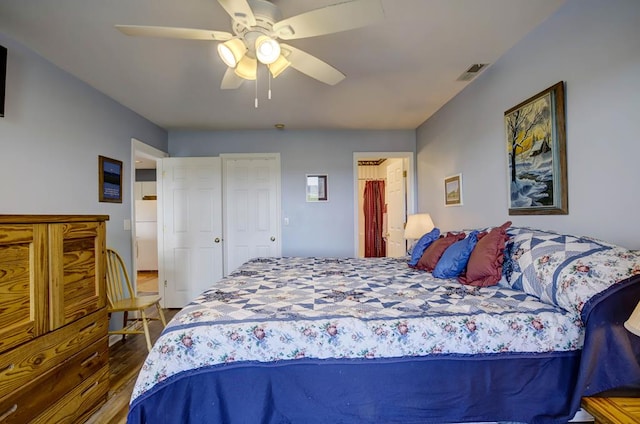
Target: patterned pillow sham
534,259
586,276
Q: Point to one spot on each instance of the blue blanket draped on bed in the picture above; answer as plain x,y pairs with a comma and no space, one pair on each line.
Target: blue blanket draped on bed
611,354
426,390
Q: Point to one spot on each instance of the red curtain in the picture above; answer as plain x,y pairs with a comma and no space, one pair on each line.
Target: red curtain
374,244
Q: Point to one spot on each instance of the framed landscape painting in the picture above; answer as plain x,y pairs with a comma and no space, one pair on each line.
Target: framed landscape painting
453,190
536,151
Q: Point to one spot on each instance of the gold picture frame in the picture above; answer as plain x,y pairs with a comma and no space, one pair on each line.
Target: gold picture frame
537,154
453,190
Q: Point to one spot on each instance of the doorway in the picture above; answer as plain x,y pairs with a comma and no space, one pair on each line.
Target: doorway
396,172
143,212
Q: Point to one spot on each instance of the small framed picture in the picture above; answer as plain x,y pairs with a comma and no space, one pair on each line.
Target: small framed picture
453,190
317,188
109,180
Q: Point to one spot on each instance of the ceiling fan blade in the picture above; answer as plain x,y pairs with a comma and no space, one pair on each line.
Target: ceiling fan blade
311,65
231,81
330,19
172,32
240,11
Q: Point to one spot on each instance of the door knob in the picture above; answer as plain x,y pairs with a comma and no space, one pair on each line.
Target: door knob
273,238
217,240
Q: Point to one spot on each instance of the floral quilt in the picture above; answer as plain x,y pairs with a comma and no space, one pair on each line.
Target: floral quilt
285,309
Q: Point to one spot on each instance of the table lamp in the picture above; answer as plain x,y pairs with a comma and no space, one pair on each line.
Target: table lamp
418,225
633,323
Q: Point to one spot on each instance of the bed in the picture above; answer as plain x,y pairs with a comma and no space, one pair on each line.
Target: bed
347,340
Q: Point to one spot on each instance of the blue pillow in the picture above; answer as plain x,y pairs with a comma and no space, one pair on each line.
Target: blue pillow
454,260
421,246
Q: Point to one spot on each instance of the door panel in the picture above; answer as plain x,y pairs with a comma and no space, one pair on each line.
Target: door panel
395,209
192,227
252,209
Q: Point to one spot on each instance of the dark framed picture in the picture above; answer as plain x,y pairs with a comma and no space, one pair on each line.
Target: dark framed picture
537,154
317,188
109,180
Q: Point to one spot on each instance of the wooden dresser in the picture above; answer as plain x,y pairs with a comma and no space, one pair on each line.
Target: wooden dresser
613,410
53,323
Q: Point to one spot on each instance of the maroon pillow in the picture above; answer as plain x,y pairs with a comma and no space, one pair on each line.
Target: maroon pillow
432,254
485,263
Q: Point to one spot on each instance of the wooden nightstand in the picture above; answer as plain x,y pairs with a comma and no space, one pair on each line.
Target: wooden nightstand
613,410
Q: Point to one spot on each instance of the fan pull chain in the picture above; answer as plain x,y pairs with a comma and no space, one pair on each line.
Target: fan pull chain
269,92
256,102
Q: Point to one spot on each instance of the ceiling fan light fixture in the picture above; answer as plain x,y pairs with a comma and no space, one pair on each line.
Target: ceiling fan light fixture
232,51
277,67
247,68
267,49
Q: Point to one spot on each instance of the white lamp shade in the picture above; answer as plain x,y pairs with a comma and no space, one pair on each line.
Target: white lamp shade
418,225
277,67
267,49
247,68
633,323
232,51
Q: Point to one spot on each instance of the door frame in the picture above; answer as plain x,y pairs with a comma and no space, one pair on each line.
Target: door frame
411,185
139,148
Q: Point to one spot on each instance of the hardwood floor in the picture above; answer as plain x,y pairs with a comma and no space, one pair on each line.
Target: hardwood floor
125,360
147,282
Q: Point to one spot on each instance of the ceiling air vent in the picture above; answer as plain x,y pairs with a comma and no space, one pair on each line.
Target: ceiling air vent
471,73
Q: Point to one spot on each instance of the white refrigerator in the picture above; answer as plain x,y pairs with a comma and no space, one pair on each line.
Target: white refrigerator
146,235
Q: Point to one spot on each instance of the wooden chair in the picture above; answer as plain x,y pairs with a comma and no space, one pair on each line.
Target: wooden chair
121,299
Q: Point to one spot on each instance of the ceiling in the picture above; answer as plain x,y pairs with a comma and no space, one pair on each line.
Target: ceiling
399,71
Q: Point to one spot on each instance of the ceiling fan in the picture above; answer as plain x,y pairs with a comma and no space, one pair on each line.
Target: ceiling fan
258,25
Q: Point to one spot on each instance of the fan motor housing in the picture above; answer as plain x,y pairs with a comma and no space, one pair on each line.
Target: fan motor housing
266,14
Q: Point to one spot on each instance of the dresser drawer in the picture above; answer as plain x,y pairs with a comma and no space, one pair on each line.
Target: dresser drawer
31,400
27,362
80,403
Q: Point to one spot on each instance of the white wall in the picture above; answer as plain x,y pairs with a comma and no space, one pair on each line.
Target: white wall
315,229
54,128
594,46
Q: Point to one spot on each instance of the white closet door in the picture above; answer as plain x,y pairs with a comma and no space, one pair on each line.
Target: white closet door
252,208
191,232
395,209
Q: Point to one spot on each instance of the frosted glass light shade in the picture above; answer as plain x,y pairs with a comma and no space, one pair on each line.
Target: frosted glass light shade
277,67
232,51
418,225
633,323
247,68
267,49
